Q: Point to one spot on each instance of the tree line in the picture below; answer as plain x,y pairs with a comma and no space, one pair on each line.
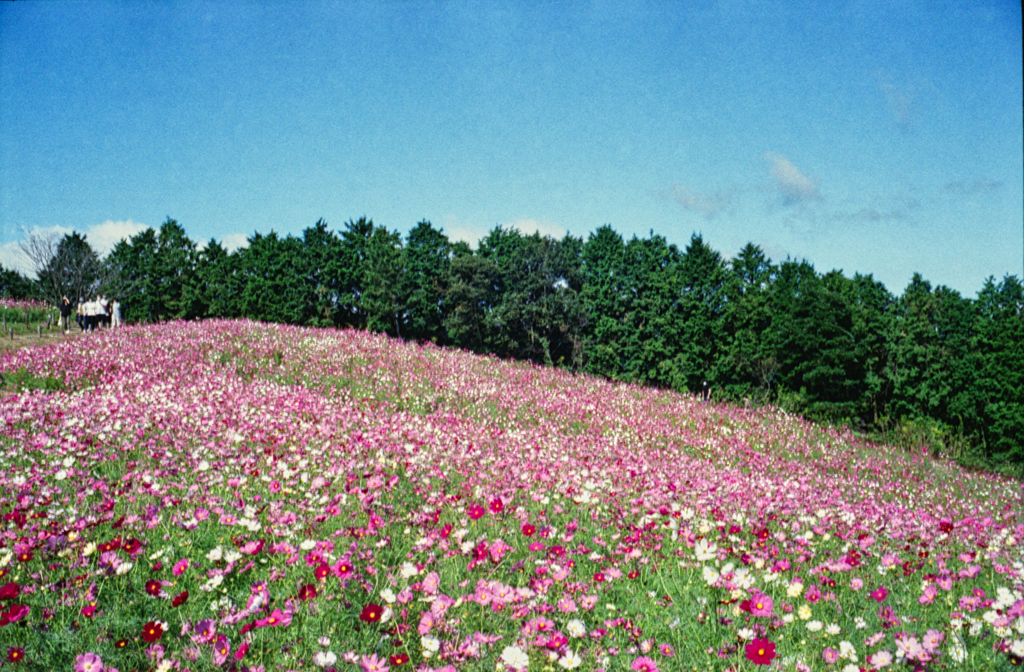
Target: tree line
929,367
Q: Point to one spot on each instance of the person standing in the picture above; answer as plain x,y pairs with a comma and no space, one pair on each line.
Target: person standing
65,315
115,313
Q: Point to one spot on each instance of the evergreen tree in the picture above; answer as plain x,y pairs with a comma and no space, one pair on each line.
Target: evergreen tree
749,364
14,285
1000,380
428,256
271,287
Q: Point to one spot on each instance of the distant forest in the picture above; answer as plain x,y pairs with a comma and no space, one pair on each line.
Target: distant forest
929,368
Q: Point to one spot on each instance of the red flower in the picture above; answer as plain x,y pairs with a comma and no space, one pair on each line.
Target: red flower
760,651
307,592
153,587
322,570
88,610
26,556
180,599
634,574
16,654
879,594
121,643
371,613
598,577
398,658
9,591
497,506
152,631
475,511
528,530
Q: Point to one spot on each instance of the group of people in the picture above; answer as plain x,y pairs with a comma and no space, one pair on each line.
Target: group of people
91,315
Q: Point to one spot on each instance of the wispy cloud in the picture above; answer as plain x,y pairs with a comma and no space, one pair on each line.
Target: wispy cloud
905,102
962,188
793,184
709,205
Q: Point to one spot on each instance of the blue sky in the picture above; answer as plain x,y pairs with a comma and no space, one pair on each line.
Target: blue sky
872,137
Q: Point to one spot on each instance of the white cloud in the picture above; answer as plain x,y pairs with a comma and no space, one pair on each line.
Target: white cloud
12,258
794,185
708,205
234,241
103,237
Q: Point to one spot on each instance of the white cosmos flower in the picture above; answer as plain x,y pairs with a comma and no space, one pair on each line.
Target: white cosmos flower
430,645
705,550
515,657
576,628
324,658
571,660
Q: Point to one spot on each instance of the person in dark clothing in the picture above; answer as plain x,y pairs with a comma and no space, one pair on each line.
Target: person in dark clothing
65,315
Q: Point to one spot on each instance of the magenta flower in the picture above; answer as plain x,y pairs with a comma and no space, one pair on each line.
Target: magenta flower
879,594
276,618
180,566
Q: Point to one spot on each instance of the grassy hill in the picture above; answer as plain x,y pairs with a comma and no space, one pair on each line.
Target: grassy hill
201,495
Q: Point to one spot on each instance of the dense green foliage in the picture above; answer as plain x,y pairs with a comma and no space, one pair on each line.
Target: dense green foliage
928,368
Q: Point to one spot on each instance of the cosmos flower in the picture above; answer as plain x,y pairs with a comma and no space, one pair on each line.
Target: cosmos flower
760,651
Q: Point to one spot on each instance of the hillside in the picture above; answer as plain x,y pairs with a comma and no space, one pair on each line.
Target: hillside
485,512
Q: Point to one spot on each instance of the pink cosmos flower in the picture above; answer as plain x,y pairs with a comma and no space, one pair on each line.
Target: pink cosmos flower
372,663
179,567
88,662
880,659
879,594
205,631
566,605
667,650
221,649
761,605
475,512
643,664
830,655
932,639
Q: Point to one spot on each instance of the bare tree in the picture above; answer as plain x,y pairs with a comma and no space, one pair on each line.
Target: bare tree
64,265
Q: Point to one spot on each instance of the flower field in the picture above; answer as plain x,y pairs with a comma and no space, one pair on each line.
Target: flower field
233,495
